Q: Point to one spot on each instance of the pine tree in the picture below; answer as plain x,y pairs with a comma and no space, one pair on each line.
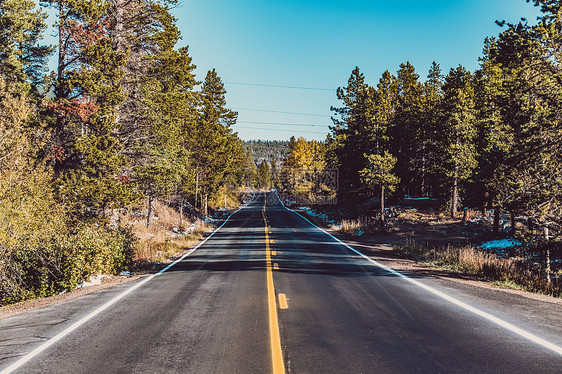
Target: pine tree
214,147
264,175
85,151
353,130
22,57
459,131
378,175
430,131
407,128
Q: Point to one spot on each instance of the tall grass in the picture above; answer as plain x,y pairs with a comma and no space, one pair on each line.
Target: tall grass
164,238
511,272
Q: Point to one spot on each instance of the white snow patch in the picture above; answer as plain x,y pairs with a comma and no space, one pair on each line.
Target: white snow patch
93,281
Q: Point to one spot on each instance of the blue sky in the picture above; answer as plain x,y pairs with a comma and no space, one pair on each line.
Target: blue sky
316,44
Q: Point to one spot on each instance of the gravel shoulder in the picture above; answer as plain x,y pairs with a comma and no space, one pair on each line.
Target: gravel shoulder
29,305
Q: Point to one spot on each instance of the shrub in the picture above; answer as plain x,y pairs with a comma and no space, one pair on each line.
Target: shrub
469,260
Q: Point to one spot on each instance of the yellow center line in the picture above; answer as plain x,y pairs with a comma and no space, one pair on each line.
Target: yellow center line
274,336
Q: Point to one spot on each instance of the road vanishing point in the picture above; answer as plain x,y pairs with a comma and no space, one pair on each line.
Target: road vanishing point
269,292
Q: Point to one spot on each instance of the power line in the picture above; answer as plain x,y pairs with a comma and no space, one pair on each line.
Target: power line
282,130
278,111
282,124
278,86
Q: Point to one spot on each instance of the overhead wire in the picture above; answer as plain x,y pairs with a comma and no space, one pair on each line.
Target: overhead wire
280,86
282,130
282,124
282,112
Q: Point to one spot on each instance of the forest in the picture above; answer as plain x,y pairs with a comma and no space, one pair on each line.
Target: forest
488,139
120,126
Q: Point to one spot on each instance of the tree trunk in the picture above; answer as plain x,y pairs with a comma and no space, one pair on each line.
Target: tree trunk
423,189
383,218
496,228
455,194
465,215
512,217
150,210
181,213
547,254
196,188
205,212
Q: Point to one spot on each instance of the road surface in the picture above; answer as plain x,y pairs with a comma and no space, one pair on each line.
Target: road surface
269,292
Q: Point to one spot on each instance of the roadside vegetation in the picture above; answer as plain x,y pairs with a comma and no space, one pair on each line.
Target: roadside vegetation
117,158
515,272
466,144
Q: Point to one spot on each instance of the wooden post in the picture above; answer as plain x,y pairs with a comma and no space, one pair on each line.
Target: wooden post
465,215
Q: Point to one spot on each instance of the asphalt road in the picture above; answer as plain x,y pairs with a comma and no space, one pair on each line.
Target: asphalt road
330,309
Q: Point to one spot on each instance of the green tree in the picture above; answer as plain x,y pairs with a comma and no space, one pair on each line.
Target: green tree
459,155
351,129
408,130
427,139
22,56
215,149
378,176
264,175
85,151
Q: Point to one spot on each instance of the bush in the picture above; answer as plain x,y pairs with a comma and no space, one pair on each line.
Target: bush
33,268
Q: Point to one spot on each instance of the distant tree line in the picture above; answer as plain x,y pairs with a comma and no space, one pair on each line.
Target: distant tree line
272,151
122,120
485,139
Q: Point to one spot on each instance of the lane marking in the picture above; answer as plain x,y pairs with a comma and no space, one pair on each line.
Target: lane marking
283,301
274,335
275,266
506,325
29,356
274,253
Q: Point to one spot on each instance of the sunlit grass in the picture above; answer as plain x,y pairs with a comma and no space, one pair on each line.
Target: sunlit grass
164,239
512,272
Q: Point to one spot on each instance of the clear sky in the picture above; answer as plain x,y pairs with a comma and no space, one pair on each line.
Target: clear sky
316,44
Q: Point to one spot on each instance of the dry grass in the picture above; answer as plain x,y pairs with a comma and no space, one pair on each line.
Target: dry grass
358,226
164,238
511,272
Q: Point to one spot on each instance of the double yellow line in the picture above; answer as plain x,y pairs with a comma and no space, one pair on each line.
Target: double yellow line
274,336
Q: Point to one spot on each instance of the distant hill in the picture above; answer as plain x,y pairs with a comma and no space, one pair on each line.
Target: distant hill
268,150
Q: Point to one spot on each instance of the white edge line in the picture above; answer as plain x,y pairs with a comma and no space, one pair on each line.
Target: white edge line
489,317
24,359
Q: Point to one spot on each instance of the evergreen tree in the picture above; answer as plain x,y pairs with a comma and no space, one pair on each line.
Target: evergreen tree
428,137
264,175
378,175
353,130
407,129
86,153
459,131
214,147
22,57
